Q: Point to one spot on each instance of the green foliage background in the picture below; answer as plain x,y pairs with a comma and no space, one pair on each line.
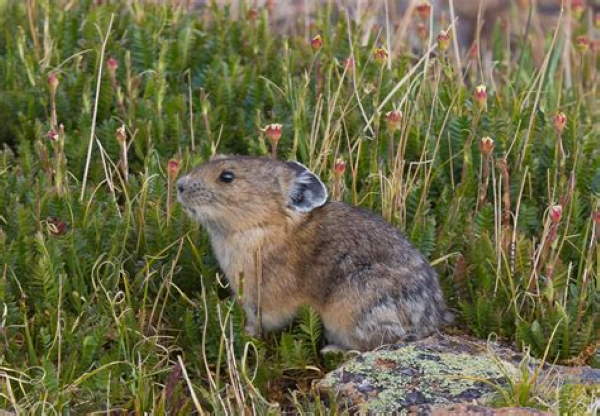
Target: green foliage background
94,315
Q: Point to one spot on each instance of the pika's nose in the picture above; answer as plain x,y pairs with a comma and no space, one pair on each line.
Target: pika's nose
181,184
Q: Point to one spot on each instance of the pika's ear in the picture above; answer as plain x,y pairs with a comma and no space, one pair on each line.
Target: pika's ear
306,192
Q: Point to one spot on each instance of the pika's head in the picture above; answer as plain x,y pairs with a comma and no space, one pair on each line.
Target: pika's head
240,192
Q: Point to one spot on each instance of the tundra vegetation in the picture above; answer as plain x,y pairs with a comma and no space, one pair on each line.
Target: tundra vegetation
110,297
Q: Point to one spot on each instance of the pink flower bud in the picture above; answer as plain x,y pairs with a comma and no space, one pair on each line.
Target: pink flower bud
112,64
480,95
443,40
52,135
583,43
577,8
339,167
316,42
173,168
486,146
560,122
556,213
53,82
349,64
424,10
393,119
273,131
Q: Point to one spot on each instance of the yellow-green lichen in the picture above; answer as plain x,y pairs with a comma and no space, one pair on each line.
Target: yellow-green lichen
391,380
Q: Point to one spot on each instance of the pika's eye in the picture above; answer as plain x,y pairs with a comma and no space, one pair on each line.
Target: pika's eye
226,176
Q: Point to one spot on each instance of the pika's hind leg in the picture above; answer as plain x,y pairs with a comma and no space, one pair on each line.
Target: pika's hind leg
382,306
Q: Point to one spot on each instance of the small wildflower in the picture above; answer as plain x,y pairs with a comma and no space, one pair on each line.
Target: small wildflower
597,20
273,131
480,95
251,14
53,82
577,8
486,145
596,217
443,40
380,55
582,43
349,64
52,135
473,51
56,226
173,167
556,213
121,134
393,119
316,42
339,167
424,10
112,64
560,122
422,31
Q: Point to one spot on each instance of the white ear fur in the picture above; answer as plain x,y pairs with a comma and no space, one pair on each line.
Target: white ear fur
307,191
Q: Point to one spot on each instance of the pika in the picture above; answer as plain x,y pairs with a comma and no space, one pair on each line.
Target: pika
282,245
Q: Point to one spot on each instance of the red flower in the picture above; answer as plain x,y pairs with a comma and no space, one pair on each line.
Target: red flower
53,81
583,43
393,119
339,167
556,213
424,10
380,55
56,226
443,40
486,145
316,42
273,131
480,95
173,167
560,121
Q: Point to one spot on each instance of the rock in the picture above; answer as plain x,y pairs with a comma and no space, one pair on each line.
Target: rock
435,375
473,410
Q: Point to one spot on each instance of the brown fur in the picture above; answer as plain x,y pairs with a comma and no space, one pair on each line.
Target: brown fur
369,285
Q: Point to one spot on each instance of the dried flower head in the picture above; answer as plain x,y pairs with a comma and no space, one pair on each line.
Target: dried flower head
56,226
121,134
486,145
596,217
443,40
556,213
380,55
393,119
173,167
316,42
473,51
424,10
560,122
273,131
252,14
339,167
